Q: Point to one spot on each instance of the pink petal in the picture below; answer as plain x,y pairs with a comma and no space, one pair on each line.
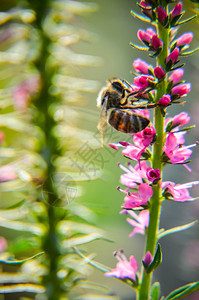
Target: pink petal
145,190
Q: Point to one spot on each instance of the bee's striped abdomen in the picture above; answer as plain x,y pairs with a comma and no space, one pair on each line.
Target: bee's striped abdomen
127,121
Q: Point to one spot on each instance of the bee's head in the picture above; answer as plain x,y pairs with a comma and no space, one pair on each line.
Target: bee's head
118,85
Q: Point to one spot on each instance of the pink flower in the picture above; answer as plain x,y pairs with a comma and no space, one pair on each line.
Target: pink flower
151,31
124,268
165,100
141,168
176,11
175,152
150,38
184,39
173,56
7,173
181,89
176,76
141,141
3,244
156,42
23,92
1,137
178,192
146,9
114,145
159,72
162,15
133,152
141,66
141,198
144,36
180,119
143,81
140,222
173,124
145,4
145,137
132,175
152,174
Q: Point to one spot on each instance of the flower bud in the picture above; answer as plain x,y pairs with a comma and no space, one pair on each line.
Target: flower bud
145,4
176,11
162,15
152,174
147,11
147,259
181,89
159,72
144,36
149,132
156,42
173,56
144,81
165,100
180,119
141,66
184,39
176,76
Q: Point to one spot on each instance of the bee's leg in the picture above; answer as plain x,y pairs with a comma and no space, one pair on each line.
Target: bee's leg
144,106
138,92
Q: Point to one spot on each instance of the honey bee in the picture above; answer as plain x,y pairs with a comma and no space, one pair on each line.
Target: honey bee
118,110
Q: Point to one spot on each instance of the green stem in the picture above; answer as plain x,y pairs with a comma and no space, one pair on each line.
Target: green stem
155,208
49,151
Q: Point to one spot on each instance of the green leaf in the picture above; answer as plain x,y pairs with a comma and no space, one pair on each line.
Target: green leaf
21,226
18,288
151,97
176,229
17,262
189,52
142,48
169,87
183,291
83,239
17,204
77,8
17,277
65,226
96,297
22,244
186,128
140,17
156,260
177,67
187,20
91,262
104,290
155,293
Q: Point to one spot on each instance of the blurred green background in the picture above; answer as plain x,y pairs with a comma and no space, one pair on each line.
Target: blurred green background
113,28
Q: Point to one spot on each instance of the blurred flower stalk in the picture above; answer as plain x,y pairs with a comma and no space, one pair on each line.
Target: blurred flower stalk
156,146
41,92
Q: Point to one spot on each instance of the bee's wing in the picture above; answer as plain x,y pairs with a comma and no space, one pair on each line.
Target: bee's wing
102,125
